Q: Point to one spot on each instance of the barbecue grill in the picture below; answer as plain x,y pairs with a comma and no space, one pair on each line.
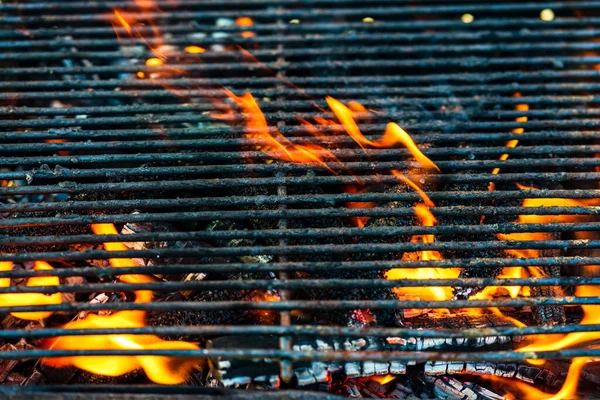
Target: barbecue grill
273,270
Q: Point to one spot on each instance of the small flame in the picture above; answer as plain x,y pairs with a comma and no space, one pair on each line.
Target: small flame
194,50
529,392
358,221
393,135
514,142
382,379
30,299
258,128
430,293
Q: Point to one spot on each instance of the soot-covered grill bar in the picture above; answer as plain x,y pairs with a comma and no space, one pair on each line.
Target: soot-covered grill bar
316,199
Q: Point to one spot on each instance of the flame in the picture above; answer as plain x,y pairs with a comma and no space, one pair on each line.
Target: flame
529,392
382,379
431,293
163,370
258,128
30,299
194,50
392,136
127,22
358,221
514,142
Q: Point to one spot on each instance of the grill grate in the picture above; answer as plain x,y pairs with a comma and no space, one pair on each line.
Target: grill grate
85,141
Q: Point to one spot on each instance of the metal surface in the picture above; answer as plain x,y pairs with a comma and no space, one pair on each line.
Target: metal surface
153,145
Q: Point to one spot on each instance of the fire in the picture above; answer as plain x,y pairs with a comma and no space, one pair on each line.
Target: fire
163,370
258,128
528,392
30,299
129,24
431,293
194,50
392,136
514,142
358,221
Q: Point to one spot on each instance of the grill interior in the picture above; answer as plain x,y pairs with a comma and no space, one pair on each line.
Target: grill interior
91,134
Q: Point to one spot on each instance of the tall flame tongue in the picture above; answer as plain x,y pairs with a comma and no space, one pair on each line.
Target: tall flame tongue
163,370
30,299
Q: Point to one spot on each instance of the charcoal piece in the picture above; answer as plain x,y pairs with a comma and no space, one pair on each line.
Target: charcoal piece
550,374
548,314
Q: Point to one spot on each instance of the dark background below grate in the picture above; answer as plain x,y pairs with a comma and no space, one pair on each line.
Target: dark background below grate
451,85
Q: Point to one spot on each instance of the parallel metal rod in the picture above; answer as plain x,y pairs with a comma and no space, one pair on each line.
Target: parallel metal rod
273,111
305,305
458,62
166,5
299,284
303,233
307,13
453,24
45,174
341,356
342,154
320,331
405,80
335,198
302,250
73,187
382,33
293,133
202,117
417,51
374,265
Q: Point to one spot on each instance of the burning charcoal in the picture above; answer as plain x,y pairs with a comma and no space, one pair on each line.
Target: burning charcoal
550,314
351,391
550,374
446,387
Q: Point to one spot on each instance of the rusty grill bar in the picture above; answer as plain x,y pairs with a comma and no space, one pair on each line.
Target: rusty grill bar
133,145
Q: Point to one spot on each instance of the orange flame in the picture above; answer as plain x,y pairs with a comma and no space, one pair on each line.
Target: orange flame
258,128
30,299
514,142
393,135
423,293
163,370
358,221
529,392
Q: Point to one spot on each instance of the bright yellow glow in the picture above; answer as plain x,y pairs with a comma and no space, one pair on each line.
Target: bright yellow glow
194,50
154,62
141,75
294,21
368,20
467,18
547,15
